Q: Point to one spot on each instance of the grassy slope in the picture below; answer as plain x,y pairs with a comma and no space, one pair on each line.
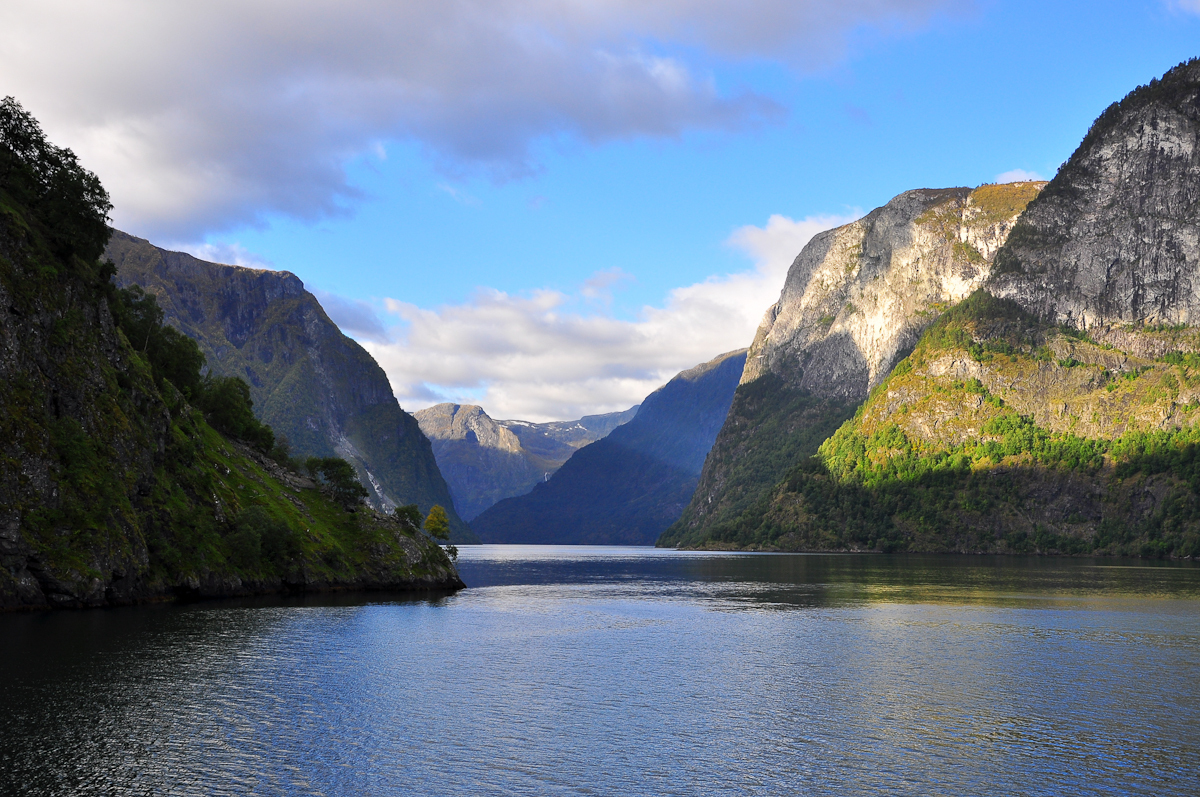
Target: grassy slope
1002,434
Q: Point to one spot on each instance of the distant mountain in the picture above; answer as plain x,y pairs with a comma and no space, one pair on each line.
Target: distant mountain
629,486
485,460
309,382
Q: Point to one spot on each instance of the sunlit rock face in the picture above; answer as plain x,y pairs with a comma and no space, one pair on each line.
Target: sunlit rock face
857,297
855,302
1115,238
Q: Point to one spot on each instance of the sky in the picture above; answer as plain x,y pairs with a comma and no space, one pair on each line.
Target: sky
550,207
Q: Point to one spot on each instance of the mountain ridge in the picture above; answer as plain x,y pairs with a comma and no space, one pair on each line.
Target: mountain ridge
309,382
627,487
486,460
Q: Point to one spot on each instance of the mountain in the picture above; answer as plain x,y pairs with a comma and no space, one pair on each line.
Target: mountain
485,460
626,488
1056,410
854,303
114,489
309,382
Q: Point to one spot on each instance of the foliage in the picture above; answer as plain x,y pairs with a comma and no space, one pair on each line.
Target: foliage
171,354
227,405
338,478
174,357
438,526
67,199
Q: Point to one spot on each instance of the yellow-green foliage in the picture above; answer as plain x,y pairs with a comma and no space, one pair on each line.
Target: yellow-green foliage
1003,202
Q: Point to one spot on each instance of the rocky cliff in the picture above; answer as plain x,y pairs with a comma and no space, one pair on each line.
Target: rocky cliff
1113,239
485,460
309,382
113,489
627,487
855,301
1057,410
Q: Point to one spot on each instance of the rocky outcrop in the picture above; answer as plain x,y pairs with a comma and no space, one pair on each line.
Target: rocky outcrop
309,382
626,488
1115,237
855,301
485,460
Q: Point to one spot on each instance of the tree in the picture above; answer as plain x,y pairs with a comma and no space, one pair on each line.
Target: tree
438,526
337,476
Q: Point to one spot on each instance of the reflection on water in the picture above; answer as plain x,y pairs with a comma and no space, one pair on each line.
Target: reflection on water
630,671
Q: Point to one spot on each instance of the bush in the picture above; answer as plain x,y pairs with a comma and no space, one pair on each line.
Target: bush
337,477
259,541
227,405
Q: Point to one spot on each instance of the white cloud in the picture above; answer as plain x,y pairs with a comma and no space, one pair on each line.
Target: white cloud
230,254
354,317
1019,175
534,358
201,116
1192,6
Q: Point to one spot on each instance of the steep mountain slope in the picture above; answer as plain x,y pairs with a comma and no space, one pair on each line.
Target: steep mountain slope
1113,239
485,461
112,488
855,301
1060,419
309,382
629,486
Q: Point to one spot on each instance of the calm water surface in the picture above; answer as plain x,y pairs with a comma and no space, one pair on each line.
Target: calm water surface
630,671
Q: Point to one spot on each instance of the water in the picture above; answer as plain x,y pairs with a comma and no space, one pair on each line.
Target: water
630,671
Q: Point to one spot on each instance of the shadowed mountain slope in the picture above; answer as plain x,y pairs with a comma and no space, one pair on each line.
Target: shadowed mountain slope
485,460
629,486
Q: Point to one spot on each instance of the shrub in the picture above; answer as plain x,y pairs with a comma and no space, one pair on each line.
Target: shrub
337,477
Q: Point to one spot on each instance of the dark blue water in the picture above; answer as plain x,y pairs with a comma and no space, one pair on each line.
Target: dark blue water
630,671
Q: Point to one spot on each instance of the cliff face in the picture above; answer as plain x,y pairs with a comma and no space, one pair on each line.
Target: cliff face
855,301
309,382
857,298
112,488
485,461
1061,415
1115,238
627,487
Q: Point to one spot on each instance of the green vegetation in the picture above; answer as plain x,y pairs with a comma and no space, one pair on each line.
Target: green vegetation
121,488
993,478
438,526
337,476
770,427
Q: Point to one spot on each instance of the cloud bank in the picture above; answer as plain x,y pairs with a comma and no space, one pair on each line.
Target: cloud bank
537,357
203,116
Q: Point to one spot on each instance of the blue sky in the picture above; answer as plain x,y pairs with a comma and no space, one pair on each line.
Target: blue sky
552,209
